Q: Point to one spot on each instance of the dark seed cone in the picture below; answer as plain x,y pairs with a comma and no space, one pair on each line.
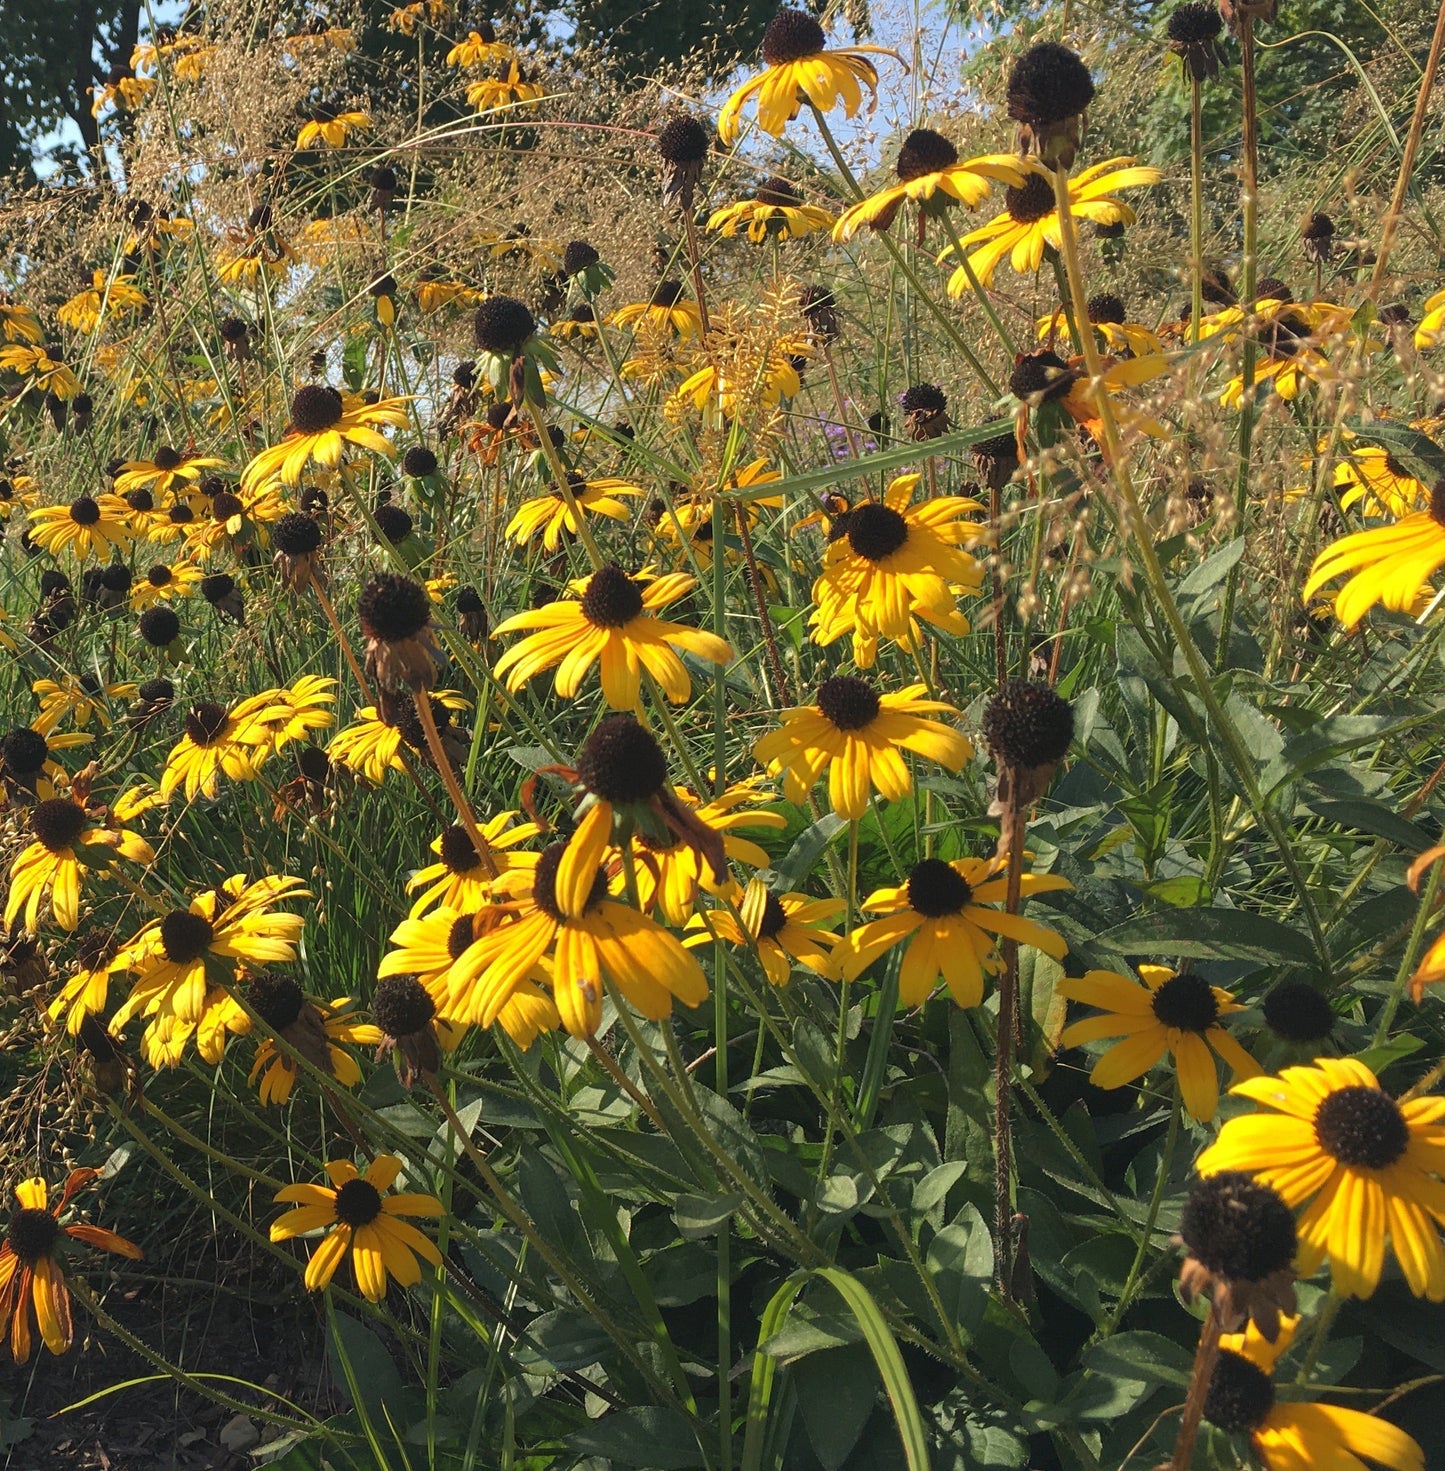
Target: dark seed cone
1041,376
820,311
1241,1240
153,698
502,326
404,1010
297,539
1194,30
791,35
683,144
383,188
401,646
471,614
221,591
1318,239
925,412
1049,90
1029,728
997,460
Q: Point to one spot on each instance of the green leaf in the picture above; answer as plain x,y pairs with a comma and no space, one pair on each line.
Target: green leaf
932,1190
704,1215
1374,817
649,1436
563,1339
1208,934
837,1390
1148,1358
352,1345
802,858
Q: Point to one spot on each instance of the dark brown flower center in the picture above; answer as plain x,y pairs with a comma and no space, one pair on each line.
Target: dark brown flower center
32,1235
57,823
1437,503
1240,1394
206,722
622,762
1363,1128
392,608
1106,307
848,702
612,598
1299,1012
790,36
276,999
160,575
1186,1002
402,1006
358,1203
1030,201
780,192
167,459
774,919
544,885
84,511
1238,1228
315,409
185,936
925,152
937,889
458,851
876,531
461,935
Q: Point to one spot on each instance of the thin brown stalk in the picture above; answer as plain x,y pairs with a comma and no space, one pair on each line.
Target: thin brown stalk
1206,1355
1407,158
1012,825
422,701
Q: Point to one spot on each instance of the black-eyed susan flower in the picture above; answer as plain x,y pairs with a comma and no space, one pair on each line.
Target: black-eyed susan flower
480,48
167,472
1049,90
39,369
219,741
68,842
164,581
603,940
858,736
78,699
610,624
1375,480
1296,1435
360,1219
1030,220
1109,319
897,563
671,872
401,645
549,516
330,127
799,66
667,308
372,744
406,1016
1385,564
323,1032
1174,1012
32,1271
943,911
1430,330
1362,1164
230,925
18,323
87,989
323,422
90,526
106,294
683,144
785,929
459,878
931,174
509,86
27,762
776,211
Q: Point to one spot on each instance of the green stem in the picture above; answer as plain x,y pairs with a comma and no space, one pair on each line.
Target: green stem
1156,1200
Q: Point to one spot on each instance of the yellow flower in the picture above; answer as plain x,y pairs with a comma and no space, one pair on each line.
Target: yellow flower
601,939
930,173
610,624
942,911
1387,564
323,423
43,371
85,311
364,1221
1375,479
88,526
666,308
799,66
776,210
18,323
1430,332
857,735
167,472
510,88
372,745
68,841
784,929
164,581
549,515
1174,1012
460,879
1106,316
1031,220
290,713
1296,1435
330,129
218,742
747,372
30,1268
277,1071
1367,1165
671,874
97,958
480,49
229,924
78,699
896,563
